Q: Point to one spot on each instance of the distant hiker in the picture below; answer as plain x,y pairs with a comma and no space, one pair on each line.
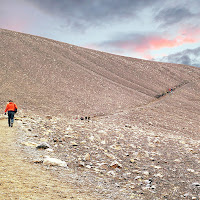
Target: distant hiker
11,107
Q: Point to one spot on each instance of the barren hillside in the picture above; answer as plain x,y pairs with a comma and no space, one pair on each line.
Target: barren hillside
50,76
142,141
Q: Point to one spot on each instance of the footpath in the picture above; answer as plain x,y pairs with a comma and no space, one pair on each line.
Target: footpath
20,180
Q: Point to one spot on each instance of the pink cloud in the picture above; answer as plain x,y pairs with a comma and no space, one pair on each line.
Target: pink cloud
143,44
156,43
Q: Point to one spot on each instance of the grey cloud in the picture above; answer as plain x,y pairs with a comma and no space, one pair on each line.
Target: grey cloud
122,39
92,12
186,57
170,16
138,42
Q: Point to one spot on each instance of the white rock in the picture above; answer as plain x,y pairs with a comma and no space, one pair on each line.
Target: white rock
101,132
111,173
145,173
50,150
73,143
87,157
91,138
158,175
196,184
30,144
138,177
110,156
191,170
54,162
177,160
157,167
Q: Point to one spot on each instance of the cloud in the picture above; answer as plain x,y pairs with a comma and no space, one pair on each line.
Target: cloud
170,16
79,13
186,57
151,41
143,44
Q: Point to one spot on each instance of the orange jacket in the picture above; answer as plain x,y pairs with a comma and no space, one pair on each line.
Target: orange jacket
10,107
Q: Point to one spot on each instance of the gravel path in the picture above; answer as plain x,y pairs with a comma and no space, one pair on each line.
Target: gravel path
22,180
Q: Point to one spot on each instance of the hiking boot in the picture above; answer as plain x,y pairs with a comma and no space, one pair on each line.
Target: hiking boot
11,125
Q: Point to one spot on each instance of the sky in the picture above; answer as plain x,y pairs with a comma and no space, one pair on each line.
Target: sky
167,31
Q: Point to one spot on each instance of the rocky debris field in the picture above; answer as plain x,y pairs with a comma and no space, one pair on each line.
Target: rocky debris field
113,158
142,139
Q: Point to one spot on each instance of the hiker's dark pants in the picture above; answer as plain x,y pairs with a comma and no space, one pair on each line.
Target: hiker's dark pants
11,117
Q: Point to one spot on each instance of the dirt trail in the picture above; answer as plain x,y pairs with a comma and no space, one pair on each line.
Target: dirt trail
20,179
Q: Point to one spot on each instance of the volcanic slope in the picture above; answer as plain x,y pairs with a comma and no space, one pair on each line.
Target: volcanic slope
142,141
47,76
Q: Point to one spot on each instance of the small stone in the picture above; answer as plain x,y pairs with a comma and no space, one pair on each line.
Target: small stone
69,128
110,156
43,140
157,167
196,184
115,164
153,187
49,150
103,142
43,145
132,160
138,177
87,157
136,171
128,126
186,195
111,173
147,181
48,117
30,144
117,185
177,160
101,132
145,173
91,138
81,164
38,161
103,166
54,162
116,147
158,175
72,143
191,170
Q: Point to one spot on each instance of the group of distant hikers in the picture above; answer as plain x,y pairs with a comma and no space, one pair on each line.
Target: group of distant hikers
11,108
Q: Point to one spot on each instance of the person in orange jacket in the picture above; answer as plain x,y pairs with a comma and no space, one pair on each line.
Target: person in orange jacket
11,107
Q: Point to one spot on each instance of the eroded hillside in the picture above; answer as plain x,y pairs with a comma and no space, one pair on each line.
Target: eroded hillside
49,76
141,142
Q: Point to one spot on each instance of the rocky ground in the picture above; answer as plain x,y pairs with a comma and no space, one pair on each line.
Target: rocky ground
141,142
112,157
20,179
